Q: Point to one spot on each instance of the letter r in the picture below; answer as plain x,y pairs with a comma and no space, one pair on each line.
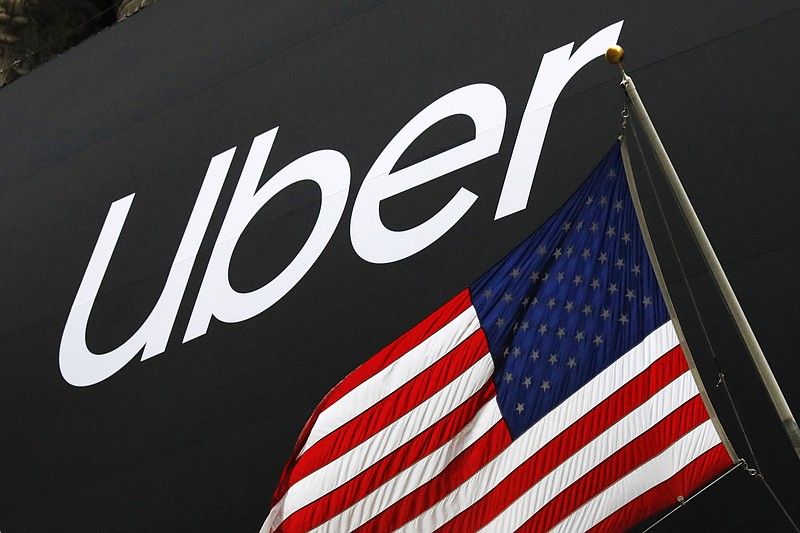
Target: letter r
557,68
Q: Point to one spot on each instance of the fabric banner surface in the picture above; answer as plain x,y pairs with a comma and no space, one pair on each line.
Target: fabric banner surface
552,394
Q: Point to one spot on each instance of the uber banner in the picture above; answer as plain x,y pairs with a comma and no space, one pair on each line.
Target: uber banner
213,212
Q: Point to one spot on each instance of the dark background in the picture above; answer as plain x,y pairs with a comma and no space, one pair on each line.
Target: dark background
195,438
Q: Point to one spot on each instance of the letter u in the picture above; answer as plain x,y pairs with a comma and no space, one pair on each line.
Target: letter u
81,367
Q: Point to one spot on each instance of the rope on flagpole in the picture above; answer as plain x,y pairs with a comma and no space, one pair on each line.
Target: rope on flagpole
682,502
693,299
755,472
614,56
732,305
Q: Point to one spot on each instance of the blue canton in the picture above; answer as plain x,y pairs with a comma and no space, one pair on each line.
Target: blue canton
570,300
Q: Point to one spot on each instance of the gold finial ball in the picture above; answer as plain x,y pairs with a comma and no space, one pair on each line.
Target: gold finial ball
615,54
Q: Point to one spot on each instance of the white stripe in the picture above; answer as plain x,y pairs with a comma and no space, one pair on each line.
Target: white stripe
598,450
553,423
417,475
394,376
369,452
412,478
659,469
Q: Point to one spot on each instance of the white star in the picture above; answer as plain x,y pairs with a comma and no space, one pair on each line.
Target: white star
520,408
560,277
524,326
515,273
508,377
561,332
587,310
611,173
603,257
626,237
569,306
534,276
613,288
545,385
516,351
598,340
534,355
618,205
579,226
623,319
526,301
557,253
595,283
526,382
620,262
611,231
543,328
566,226
570,251
605,314
571,362
500,322
487,294
630,295
577,280
586,253
542,250
551,303
647,301
579,336
589,200
636,270
594,227
603,200
507,298
553,359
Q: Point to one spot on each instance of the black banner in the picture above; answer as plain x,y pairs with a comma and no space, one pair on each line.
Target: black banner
160,120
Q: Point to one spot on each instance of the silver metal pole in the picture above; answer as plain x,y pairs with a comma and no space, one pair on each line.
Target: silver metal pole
764,371
662,283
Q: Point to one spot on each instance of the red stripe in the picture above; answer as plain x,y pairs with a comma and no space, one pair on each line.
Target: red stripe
372,366
664,495
373,477
390,409
461,468
640,450
413,337
663,371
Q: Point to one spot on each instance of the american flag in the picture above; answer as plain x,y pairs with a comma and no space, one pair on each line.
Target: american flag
551,395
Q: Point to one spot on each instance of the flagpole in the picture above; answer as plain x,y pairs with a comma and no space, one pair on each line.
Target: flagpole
614,55
648,242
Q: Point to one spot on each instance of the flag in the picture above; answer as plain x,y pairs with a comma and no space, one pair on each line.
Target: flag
551,394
